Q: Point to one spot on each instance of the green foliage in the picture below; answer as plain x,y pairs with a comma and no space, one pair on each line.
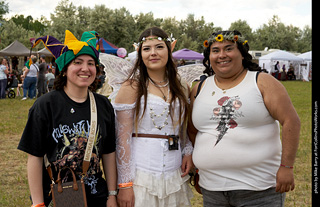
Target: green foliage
10,32
122,28
4,8
29,24
277,35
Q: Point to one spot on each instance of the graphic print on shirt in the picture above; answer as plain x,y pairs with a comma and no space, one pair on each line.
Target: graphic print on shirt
71,152
226,114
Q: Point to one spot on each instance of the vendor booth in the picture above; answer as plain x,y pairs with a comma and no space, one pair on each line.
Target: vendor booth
306,66
14,50
287,59
107,47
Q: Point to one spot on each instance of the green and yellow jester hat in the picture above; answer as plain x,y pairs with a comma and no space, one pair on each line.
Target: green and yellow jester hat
72,47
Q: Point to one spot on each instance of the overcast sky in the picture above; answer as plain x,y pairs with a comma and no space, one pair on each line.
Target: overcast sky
221,12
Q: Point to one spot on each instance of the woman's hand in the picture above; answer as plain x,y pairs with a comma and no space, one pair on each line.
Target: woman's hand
126,197
112,201
187,164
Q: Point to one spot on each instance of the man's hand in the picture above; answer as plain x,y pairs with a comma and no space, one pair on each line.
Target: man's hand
285,180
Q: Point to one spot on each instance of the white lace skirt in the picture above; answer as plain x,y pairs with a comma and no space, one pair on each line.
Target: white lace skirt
170,190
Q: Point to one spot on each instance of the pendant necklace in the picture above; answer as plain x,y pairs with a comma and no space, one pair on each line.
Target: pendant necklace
227,88
161,86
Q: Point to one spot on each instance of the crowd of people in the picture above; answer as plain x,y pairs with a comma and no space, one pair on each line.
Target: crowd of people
35,79
158,130
282,73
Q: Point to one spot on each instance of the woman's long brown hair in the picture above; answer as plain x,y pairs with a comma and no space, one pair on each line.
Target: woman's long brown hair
140,74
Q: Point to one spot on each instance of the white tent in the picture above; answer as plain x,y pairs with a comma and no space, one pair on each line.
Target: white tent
306,66
285,58
307,56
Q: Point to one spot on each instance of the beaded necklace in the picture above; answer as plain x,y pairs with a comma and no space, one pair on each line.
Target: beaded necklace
165,111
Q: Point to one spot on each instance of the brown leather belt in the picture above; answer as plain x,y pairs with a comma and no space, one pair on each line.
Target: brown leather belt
159,136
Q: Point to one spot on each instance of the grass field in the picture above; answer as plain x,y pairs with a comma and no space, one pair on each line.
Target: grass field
13,178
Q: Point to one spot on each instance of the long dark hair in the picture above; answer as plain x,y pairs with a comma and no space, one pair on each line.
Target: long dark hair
141,76
243,48
61,79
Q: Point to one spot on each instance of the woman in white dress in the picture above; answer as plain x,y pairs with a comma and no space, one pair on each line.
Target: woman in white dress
151,105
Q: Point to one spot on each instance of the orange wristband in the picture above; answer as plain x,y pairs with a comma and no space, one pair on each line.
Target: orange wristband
39,205
125,185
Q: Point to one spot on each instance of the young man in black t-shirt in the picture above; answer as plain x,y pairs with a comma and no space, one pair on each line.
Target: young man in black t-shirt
59,123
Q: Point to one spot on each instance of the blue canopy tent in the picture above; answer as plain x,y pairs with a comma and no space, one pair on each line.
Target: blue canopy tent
107,47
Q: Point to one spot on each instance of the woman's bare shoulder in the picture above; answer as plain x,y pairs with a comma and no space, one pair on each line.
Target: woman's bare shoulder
127,93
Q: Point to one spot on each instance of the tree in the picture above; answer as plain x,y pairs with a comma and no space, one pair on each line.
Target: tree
144,21
194,32
29,24
277,35
101,20
243,27
305,40
123,32
171,26
12,32
64,18
4,9
122,28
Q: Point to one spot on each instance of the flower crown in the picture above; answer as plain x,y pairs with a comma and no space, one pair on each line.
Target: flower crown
168,39
221,37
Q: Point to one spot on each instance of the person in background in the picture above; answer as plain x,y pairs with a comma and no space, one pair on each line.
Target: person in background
235,124
283,73
277,70
50,75
59,122
41,80
50,79
4,71
290,73
15,63
30,79
152,104
102,77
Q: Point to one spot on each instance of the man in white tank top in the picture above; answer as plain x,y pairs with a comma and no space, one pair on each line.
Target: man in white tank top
235,125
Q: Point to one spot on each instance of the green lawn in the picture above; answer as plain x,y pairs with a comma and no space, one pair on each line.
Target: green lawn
13,179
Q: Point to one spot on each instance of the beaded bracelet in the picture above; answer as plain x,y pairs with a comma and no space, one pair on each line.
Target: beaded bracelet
126,188
125,185
290,167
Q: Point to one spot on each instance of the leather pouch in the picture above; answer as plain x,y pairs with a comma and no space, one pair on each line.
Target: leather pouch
69,194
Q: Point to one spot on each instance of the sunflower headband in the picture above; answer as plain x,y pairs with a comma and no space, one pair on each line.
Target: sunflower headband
221,37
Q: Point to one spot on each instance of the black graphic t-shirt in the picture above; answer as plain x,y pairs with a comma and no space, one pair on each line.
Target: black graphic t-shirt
59,127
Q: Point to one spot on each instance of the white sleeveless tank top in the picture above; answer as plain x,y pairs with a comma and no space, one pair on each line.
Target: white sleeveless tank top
238,143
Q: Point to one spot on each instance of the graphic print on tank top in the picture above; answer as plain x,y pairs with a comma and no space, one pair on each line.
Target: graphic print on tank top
226,114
